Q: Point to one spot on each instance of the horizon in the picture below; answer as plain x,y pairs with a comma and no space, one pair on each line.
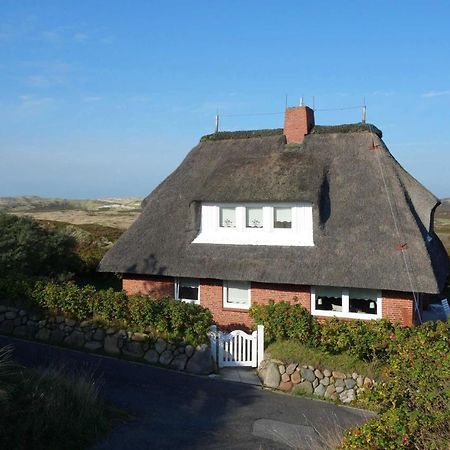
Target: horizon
98,104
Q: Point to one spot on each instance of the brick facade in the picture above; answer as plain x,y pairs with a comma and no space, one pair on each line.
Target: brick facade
396,307
298,122
153,286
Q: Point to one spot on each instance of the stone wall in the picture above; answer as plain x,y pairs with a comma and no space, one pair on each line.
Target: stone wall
94,338
302,379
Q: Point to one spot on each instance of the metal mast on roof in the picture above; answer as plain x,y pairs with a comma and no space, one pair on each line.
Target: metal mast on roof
216,122
364,111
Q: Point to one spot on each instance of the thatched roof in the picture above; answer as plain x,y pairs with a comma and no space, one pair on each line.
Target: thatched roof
340,171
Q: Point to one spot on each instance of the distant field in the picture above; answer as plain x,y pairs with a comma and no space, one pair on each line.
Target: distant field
110,212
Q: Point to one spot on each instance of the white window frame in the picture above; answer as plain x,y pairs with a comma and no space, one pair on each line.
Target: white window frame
177,291
229,305
345,313
300,234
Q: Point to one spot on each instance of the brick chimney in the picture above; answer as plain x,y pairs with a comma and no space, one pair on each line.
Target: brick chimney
298,122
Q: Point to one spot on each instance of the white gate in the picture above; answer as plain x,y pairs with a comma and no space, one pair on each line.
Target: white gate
238,348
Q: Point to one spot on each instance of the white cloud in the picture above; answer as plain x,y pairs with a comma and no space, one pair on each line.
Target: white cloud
431,94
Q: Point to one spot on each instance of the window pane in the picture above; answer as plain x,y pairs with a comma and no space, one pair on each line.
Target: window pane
363,301
188,289
254,218
282,217
228,217
238,292
329,299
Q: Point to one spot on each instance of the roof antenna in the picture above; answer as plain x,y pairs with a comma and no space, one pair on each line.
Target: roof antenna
302,103
216,122
364,110
286,102
314,103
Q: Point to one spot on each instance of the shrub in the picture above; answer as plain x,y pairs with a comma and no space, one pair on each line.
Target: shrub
28,249
285,321
367,340
110,305
174,319
414,399
16,290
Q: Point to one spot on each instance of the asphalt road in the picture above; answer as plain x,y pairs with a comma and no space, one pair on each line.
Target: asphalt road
173,410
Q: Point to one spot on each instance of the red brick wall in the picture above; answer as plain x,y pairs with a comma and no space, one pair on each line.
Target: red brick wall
398,307
153,286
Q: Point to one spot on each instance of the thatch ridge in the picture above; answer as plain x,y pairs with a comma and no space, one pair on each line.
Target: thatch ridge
242,134
347,128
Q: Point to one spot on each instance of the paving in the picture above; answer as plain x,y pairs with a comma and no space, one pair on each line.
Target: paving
171,409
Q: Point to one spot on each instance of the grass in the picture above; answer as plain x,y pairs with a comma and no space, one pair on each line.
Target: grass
295,352
50,409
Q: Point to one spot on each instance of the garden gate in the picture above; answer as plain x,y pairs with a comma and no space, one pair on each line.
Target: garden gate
238,348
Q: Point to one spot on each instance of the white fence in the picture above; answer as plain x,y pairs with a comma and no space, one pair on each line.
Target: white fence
238,348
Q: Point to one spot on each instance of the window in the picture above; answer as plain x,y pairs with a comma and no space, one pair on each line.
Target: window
227,217
254,217
343,302
187,290
236,294
284,224
363,301
329,299
282,217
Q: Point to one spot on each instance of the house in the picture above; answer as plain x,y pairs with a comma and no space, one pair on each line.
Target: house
322,215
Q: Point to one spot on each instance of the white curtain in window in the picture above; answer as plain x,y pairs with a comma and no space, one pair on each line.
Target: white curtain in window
254,217
282,217
228,217
238,292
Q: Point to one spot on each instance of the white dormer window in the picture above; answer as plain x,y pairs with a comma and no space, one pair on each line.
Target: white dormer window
284,224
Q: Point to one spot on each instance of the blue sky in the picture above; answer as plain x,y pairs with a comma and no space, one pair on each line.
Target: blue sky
105,98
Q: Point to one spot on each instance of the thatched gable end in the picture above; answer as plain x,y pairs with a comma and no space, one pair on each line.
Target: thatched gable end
364,205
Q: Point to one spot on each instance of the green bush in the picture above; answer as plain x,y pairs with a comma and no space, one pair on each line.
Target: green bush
170,318
110,305
285,321
367,340
16,290
29,250
414,399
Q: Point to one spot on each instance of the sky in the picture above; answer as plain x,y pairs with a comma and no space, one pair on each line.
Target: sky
104,98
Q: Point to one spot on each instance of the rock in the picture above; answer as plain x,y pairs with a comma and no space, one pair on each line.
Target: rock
334,397
360,381
307,374
295,377
290,368
3,308
367,382
76,339
201,362
7,326
285,386
350,383
311,368
70,322
315,383
99,334
20,331
111,344
354,375
93,346
305,387
179,362
339,389
152,356
59,319
42,323
272,376
133,349
318,374
325,381
337,374
84,323
285,377
57,336
43,334
10,315
160,345
22,313
189,350
139,337
339,383
320,390
110,331
165,357
330,390
282,369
